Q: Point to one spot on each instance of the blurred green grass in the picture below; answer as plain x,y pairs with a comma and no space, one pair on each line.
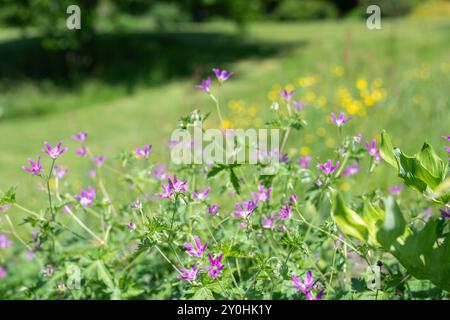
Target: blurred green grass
410,56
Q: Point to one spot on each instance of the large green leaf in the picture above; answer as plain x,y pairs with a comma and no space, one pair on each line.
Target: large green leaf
393,225
350,223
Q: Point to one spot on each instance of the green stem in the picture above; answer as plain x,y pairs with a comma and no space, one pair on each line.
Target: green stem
52,211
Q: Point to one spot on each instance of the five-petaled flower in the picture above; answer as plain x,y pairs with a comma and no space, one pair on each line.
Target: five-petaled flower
80,136
307,286
137,204
350,170
35,167
215,266
372,149
174,187
395,190
304,161
245,210
268,223
205,86
262,195
446,138
341,120
327,168
81,151
299,105
85,198
55,152
285,212
98,160
213,209
144,152
4,241
223,75
3,273
4,207
198,249
200,196
59,171
189,274
287,95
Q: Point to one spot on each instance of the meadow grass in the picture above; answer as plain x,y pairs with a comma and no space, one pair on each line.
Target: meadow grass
407,58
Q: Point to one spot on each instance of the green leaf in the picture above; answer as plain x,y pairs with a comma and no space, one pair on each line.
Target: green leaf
203,294
235,181
393,225
386,150
348,221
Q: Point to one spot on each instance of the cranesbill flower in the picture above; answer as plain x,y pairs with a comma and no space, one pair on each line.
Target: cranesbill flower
427,214
86,198
307,286
205,86
358,138
446,138
159,172
263,195
293,198
285,213
55,152
299,105
189,274
304,161
287,95
3,273
213,209
268,223
198,250
445,213
137,204
80,136
341,120
174,187
98,160
144,152
81,151
284,158
200,196
59,171
446,148
4,241
30,255
245,210
48,271
396,189
131,225
372,149
327,168
35,166
4,207
223,75
350,170
216,266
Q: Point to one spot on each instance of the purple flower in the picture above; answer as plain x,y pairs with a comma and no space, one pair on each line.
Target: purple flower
4,207
131,225
137,204
189,274
268,223
341,120
159,172
299,105
213,209
3,273
85,198
395,190
215,267
263,195
30,255
173,187
358,138
372,149
55,152
327,168
350,170
293,198
287,95
143,153
48,271
59,171
319,182
205,86
304,161
446,138
223,75
198,250
98,160
284,158
285,213
307,286
245,210
81,151
80,136
445,213
427,213
200,196
35,166
4,241
446,148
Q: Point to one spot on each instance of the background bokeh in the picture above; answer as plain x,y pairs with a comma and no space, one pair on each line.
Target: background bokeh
128,75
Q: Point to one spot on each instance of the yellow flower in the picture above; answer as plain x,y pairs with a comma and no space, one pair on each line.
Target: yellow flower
361,84
273,95
330,142
289,87
226,124
305,151
344,187
369,101
338,71
309,138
